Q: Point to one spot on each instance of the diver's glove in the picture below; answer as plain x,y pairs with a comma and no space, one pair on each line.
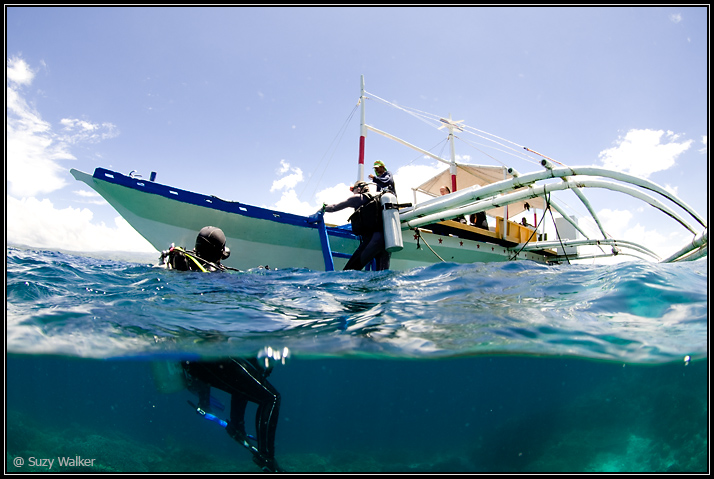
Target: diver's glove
314,218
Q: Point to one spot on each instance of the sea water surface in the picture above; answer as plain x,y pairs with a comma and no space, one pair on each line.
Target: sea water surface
501,367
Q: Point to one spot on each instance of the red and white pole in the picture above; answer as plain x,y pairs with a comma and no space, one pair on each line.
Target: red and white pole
363,134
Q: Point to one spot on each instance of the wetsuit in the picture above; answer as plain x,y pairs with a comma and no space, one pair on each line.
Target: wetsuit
245,380
371,243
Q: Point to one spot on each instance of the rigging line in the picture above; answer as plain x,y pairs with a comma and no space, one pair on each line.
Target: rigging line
463,127
557,233
546,157
421,115
417,112
520,157
443,147
405,110
535,231
430,149
468,127
516,152
337,138
589,224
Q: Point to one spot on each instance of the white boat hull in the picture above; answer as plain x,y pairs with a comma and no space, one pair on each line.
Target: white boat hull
261,237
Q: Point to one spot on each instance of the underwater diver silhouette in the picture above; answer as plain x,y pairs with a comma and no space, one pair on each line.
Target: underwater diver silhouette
245,379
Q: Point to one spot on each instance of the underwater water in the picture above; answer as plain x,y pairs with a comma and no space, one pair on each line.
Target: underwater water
501,367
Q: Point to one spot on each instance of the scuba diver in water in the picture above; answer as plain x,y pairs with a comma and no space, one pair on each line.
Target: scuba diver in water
244,379
206,256
367,223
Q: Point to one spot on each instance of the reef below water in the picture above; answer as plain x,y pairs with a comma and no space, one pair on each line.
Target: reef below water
471,414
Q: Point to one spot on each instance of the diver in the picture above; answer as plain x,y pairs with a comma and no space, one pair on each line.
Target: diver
367,223
245,379
206,256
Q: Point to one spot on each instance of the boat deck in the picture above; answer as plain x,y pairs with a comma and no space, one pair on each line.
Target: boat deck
474,233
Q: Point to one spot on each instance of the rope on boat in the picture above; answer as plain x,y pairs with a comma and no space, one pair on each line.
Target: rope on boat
567,260
420,237
535,231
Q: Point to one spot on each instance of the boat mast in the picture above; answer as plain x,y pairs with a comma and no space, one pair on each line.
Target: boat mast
362,135
451,125
452,167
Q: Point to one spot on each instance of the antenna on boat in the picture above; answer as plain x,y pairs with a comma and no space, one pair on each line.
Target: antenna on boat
362,133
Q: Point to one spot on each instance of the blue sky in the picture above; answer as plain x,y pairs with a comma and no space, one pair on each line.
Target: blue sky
249,104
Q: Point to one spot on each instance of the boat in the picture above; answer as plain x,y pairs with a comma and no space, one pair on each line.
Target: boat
433,230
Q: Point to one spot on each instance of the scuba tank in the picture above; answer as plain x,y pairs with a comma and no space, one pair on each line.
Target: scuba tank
392,227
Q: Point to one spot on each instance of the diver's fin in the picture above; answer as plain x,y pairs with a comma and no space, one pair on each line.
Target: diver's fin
242,439
265,464
217,404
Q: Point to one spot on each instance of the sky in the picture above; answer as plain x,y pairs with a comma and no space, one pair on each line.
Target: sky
257,105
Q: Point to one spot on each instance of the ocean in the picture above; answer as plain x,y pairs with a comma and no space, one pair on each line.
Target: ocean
501,367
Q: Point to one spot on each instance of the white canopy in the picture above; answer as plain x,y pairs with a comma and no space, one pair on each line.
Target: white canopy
476,175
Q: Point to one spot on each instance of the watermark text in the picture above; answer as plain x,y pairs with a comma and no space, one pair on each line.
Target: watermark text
65,461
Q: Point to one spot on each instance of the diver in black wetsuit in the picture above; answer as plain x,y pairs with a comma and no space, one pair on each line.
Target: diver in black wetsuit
244,379
206,256
367,223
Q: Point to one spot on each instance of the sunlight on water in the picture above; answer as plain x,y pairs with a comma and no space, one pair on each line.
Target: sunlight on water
637,312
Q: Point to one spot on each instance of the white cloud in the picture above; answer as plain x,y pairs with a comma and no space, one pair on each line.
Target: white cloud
81,131
411,176
19,72
332,195
619,225
644,152
290,203
284,167
32,152
38,223
33,167
287,182
615,222
675,17
405,178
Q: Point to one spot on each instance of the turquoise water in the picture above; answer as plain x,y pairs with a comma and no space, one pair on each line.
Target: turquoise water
510,367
